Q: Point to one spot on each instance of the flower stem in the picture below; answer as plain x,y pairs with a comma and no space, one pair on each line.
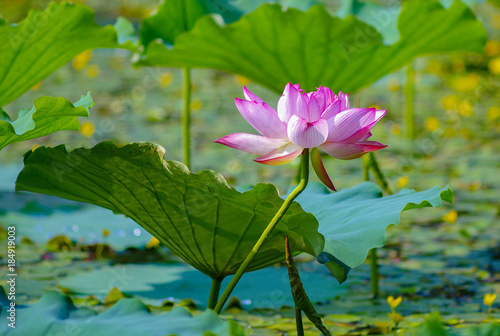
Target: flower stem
214,293
186,117
281,212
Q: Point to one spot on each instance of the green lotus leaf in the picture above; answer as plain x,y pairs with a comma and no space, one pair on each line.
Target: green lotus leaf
55,314
354,220
174,17
48,115
199,216
273,47
44,41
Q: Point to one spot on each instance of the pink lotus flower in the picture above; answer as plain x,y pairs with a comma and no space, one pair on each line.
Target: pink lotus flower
305,120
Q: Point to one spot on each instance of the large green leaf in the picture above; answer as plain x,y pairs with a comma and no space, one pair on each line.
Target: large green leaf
55,314
273,47
174,17
48,115
198,216
43,42
354,220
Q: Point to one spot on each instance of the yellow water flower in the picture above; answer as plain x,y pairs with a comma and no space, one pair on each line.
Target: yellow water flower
165,79
393,84
394,302
458,65
396,129
432,124
396,317
37,86
434,67
450,217
92,71
489,298
242,80
492,48
81,60
195,105
401,183
154,242
494,66
106,232
493,113
87,129
466,83
383,326
450,102
465,108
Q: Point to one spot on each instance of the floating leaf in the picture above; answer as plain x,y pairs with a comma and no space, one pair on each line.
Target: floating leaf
55,314
273,47
198,216
48,115
44,41
354,220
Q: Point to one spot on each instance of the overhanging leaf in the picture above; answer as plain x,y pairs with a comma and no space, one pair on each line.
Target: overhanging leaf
45,41
48,115
273,47
354,220
55,314
198,216
174,17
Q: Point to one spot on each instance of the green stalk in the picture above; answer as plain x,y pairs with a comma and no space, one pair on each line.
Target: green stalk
377,172
298,322
409,97
186,117
281,212
374,273
214,293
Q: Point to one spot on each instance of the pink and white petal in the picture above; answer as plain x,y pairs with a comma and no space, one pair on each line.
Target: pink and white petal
292,102
250,96
281,155
346,123
320,170
307,135
349,151
314,110
332,110
364,133
263,118
344,98
250,143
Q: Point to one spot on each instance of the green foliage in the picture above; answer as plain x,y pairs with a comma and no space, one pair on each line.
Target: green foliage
55,314
198,216
48,115
45,41
273,47
354,220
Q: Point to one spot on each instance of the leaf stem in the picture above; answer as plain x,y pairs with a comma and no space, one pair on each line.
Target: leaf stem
409,97
298,322
374,273
186,117
281,212
214,293
377,172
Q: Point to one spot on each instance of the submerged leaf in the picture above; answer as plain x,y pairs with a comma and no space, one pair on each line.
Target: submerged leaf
274,47
199,216
55,314
45,41
354,220
48,115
